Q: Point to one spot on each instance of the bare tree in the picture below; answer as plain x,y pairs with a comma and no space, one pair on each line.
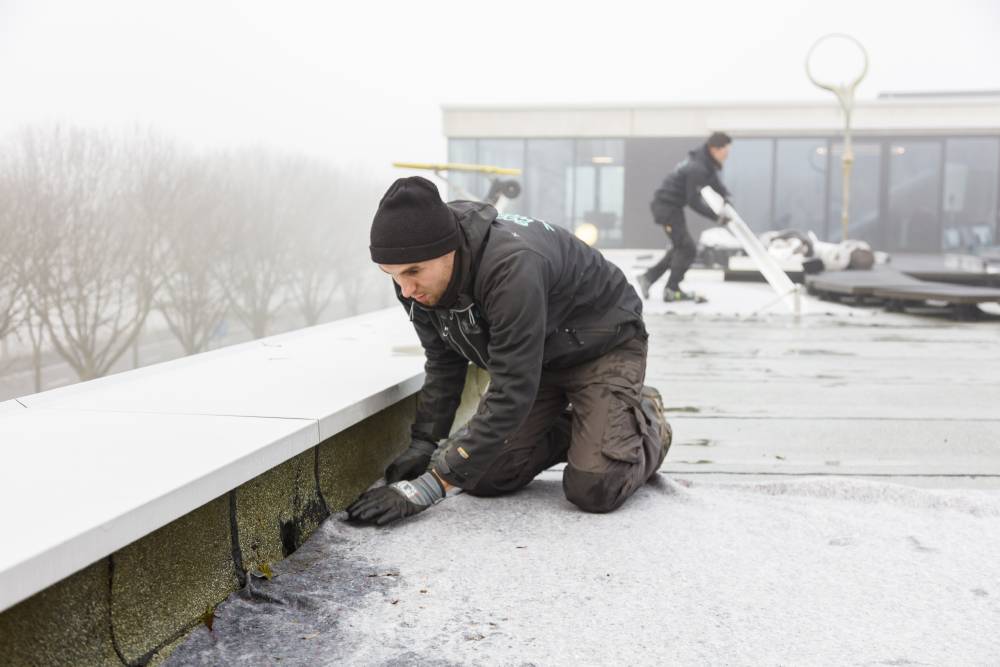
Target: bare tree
321,250
255,207
39,250
91,276
330,232
25,250
13,240
362,286
12,304
180,197
356,286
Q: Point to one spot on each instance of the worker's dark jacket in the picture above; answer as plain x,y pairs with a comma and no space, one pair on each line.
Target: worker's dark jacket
524,296
684,184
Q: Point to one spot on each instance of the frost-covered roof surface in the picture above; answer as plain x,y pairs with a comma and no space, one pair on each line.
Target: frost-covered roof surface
831,497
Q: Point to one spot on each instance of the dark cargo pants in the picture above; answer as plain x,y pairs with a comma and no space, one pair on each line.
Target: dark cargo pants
682,252
610,439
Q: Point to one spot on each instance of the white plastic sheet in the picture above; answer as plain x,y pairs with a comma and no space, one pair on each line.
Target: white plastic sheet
786,290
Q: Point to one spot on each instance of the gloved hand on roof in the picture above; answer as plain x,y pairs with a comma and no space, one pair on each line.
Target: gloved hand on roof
397,501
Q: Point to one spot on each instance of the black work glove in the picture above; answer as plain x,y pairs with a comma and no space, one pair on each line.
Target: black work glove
396,501
412,463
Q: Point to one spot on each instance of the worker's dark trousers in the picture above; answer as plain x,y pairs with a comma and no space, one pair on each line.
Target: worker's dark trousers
610,438
681,253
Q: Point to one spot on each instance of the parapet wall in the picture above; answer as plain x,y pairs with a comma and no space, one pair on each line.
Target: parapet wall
135,605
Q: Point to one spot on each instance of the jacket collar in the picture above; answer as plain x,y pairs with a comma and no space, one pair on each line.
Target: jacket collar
474,219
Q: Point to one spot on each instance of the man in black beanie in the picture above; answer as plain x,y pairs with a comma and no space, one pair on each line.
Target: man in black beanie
558,328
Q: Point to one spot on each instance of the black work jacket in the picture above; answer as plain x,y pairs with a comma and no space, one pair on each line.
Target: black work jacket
683,186
524,296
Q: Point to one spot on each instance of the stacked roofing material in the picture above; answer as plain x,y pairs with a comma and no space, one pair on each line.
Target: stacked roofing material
898,290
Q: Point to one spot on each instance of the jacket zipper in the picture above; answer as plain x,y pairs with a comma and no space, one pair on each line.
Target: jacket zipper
469,342
444,327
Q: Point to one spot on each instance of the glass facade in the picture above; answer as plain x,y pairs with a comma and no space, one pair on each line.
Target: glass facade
463,186
548,180
969,201
598,176
568,182
864,213
506,153
747,174
907,194
800,185
914,220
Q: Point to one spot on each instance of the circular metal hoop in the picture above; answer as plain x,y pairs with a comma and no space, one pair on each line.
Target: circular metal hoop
845,95
844,92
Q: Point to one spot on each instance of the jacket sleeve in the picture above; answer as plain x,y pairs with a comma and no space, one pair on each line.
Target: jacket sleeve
698,178
445,372
515,303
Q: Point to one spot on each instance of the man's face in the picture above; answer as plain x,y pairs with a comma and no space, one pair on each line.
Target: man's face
719,154
424,282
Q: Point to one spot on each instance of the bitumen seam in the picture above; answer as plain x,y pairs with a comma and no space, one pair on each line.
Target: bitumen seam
234,536
110,619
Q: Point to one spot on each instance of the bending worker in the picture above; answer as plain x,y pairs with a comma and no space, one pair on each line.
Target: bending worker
683,187
558,328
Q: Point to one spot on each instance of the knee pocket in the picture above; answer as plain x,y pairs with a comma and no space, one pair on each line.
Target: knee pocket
622,440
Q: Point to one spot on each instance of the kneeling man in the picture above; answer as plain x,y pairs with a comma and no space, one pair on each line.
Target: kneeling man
560,332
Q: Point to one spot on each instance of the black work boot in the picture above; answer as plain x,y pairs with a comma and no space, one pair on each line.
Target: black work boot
670,295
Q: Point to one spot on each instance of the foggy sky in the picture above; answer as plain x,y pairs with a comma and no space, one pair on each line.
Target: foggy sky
362,82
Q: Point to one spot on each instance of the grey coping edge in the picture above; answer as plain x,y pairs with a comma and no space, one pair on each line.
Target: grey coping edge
105,534
331,425
22,575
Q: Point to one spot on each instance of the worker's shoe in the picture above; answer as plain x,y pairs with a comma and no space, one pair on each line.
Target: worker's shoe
643,282
651,396
671,295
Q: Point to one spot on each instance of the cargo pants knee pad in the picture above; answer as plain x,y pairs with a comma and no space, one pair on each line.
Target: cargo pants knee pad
596,492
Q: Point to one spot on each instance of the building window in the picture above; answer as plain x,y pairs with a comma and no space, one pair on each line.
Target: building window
866,179
547,179
747,175
914,196
970,194
509,154
462,185
597,197
800,185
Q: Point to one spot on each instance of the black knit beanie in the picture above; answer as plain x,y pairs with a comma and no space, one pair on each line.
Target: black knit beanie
412,224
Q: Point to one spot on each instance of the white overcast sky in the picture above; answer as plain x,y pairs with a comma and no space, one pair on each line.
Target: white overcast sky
362,82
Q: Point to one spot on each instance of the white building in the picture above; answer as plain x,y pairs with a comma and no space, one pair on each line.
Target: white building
926,173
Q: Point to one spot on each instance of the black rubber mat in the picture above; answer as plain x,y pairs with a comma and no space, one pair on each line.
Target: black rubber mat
893,285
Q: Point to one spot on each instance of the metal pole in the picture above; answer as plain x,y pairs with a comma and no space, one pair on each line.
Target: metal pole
847,164
845,95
